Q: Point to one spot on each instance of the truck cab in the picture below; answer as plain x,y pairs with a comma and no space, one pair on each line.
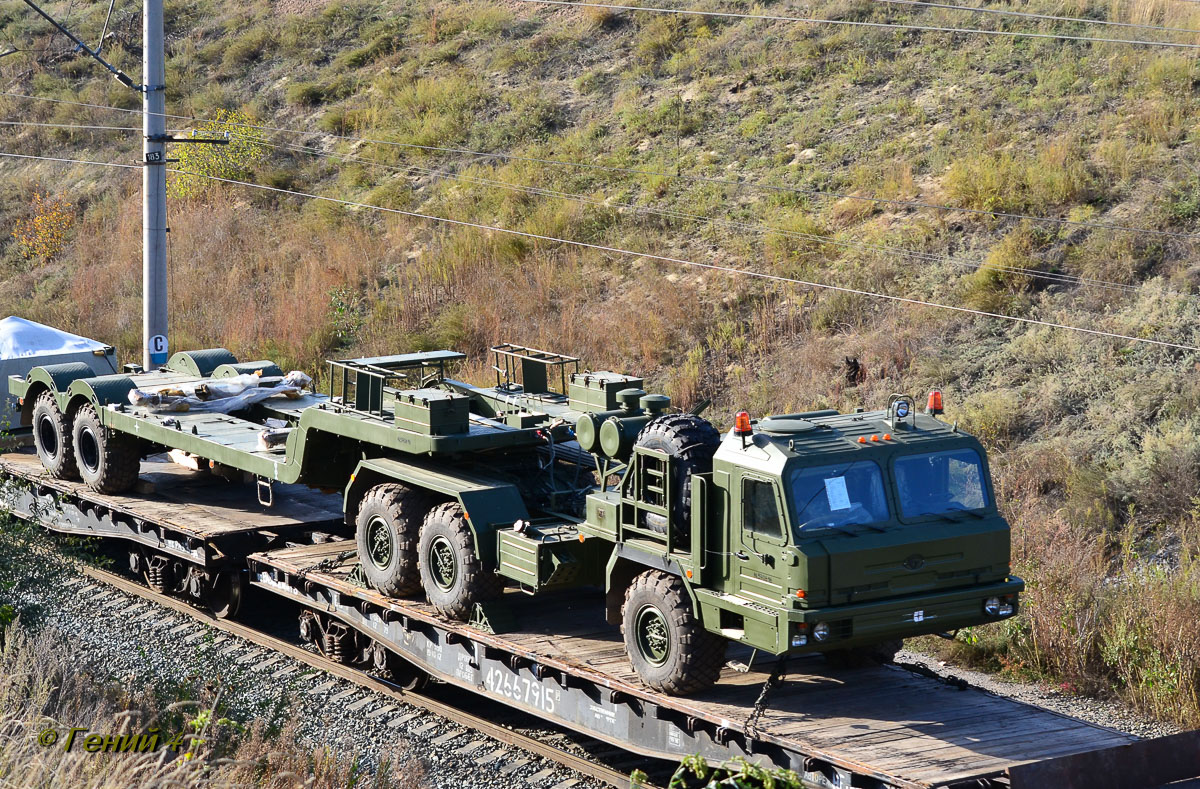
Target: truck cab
856,530
817,532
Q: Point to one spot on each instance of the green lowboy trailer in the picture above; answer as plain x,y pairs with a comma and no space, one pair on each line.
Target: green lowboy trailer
815,532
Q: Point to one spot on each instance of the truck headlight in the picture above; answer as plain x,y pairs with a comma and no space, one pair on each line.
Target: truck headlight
799,640
991,606
821,631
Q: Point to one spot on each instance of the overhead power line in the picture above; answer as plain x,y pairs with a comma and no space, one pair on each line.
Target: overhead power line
857,23
757,227
72,126
120,75
69,161
1060,278
648,255
1045,17
738,184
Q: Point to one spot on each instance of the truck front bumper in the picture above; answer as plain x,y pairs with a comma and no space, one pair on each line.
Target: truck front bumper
861,624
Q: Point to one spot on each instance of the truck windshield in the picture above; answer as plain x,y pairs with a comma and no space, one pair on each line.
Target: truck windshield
829,497
940,482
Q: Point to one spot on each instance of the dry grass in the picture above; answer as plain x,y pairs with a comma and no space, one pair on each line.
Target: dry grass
43,687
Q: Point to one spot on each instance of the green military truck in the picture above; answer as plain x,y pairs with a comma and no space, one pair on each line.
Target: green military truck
815,532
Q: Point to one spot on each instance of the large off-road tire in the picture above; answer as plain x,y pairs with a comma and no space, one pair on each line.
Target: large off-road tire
691,441
667,644
861,657
387,529
453,575
108,461
52,438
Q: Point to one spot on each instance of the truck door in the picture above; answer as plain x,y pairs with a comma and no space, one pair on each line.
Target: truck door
757,540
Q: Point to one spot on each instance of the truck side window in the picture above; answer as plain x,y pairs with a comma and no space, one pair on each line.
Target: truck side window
760,508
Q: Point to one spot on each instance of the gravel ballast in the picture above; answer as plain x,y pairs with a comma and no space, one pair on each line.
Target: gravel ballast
140,644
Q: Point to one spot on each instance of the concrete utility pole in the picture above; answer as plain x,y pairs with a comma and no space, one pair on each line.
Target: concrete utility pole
154,190
154,173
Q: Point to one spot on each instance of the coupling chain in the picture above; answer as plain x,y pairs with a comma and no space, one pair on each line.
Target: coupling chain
327,564
778,674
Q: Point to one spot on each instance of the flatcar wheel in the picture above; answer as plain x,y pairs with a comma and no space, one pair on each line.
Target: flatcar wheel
396,669
223,595
52,438
108,461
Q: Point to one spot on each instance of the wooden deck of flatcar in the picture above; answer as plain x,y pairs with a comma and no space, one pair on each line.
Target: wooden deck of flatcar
201,505
199,518
907,729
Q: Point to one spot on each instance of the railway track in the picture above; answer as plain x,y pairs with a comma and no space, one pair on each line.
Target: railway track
619,775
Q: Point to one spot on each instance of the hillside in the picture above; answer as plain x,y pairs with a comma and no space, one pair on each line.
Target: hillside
812,152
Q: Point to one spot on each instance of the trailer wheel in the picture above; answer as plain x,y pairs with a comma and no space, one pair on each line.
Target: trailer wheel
692,442
861,657
667,645
108,461
453,575
387,529
52,438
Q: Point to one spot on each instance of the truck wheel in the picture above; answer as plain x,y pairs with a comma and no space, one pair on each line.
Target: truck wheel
387,527
108,461
861,657
451,572
52,438
667,645
691,441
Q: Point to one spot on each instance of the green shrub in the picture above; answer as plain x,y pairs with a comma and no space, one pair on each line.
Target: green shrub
247,48
658,39
305,94
199,163
1056,175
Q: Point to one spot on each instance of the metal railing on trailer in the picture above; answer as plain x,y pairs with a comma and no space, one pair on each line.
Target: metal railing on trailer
534,367
360,385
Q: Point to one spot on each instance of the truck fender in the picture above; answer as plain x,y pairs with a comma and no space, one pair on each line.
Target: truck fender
55,378
100,391
488,505
627,563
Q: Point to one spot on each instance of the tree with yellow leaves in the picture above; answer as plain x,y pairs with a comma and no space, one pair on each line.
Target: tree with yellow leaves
201,162
43,234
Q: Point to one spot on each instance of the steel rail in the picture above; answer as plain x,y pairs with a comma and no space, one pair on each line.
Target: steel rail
496,731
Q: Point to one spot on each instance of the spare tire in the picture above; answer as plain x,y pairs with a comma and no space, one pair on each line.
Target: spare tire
691,442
